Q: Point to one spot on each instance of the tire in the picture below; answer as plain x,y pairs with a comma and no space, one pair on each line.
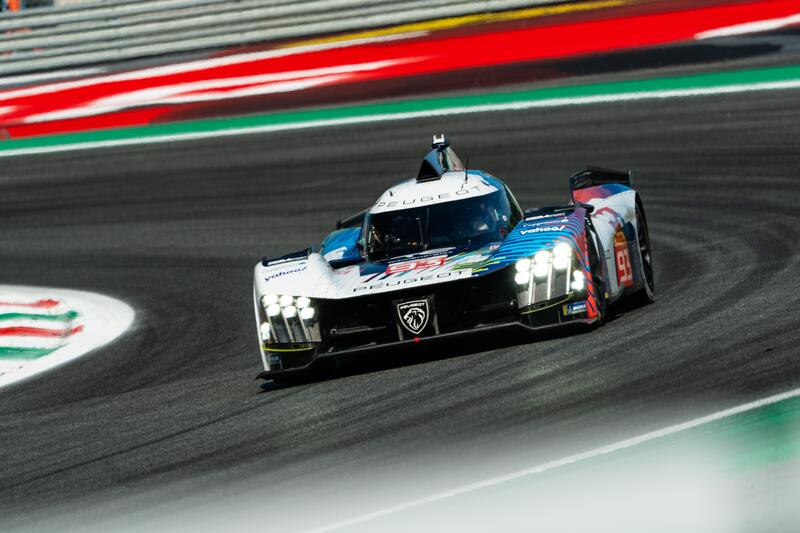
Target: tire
646,294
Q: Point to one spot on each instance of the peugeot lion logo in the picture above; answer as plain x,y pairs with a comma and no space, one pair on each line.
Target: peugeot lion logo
414,315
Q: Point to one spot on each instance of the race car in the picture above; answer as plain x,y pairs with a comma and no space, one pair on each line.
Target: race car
450,252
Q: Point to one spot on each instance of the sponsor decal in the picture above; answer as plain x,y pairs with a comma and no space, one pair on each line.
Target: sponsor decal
417,264
553,216
623,260
413,315
411,202
396,282
267,279
563,220
470,261
542,229
575,308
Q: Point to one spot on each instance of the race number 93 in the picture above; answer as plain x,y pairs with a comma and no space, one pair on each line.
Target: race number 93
415,265
623,257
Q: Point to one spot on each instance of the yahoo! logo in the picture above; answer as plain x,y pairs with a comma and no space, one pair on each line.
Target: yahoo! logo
542,229
284,273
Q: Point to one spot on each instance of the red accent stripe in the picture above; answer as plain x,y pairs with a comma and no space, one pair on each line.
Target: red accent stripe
41,304
437,54
38,332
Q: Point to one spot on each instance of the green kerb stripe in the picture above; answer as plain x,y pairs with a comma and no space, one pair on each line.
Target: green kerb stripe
23,353
63,317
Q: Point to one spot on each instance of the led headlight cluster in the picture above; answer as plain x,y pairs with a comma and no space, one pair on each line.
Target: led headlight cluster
546,275
289,319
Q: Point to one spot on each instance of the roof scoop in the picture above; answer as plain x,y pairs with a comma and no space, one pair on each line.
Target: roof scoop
439,160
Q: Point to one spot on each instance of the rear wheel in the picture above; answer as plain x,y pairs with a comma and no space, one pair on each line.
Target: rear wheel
647,293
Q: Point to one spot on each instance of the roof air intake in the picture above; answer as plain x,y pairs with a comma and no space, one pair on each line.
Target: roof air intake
439,160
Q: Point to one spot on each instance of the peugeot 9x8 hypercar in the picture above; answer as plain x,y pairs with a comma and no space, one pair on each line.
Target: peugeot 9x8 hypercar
450,252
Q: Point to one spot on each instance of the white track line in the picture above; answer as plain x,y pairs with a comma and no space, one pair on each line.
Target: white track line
511,106
750,27
6,81
104,320
572,459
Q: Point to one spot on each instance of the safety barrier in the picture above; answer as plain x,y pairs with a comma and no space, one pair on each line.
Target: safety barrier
118,30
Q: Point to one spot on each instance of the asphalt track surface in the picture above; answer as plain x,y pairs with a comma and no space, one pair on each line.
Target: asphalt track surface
172,408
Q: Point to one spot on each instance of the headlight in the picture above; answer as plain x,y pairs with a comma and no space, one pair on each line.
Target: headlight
547,275
265,328
290,320
542,257
562,249
578,281
540,270
561,262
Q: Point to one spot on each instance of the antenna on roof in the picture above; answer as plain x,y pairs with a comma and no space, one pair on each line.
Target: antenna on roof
466,170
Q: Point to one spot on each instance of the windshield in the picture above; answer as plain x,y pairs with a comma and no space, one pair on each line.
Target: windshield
470,222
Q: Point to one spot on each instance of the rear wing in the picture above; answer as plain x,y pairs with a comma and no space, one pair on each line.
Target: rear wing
599,176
